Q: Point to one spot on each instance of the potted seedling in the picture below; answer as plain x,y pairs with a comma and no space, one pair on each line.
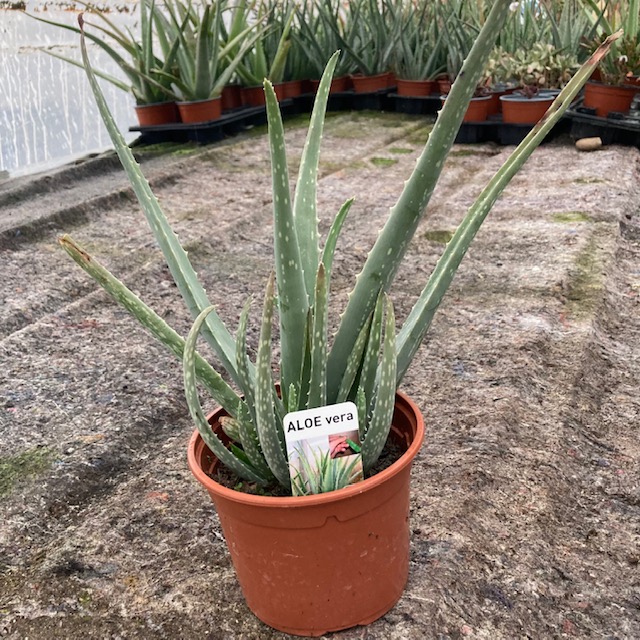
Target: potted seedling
616,87
618,82
310,564
540,72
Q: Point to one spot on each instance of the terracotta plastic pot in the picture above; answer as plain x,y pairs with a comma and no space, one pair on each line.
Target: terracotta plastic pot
444,85
314,564
286,90
231,97
157,113
198,111
478,109
253,96
414,88
370,84
495,106
605,98
292,88
517,109
338,85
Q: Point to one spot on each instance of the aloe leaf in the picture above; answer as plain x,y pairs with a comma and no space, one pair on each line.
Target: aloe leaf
234,59
245,381
101,74
305,200
303,386
276,71
183,273
353,364
293,399
206,53
367,381
392,242
231,427
420,317
248,437
318,379
631,21
105,18
223,394
361,406
293,302
332,237
214,443
113,54
146,34
268,430
382,413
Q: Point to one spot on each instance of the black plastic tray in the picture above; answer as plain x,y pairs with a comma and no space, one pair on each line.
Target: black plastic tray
416,106
616,129
229,124
494,130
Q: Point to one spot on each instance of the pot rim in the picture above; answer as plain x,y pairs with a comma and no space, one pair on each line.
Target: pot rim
360,76
512,97
155,104
401,79
202,100
279,502
444,96
599,83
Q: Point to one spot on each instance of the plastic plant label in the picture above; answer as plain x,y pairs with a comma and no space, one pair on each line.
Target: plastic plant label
324,449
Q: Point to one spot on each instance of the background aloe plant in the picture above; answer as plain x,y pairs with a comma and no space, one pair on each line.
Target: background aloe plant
145,59
207,54
267,58
420,54
367,359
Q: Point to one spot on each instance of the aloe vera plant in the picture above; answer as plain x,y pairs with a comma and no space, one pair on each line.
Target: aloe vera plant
208,54
420,54
267,58
367,358
146,68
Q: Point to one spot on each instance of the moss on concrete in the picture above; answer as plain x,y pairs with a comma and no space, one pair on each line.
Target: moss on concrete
585,284
16,469
589,181
383,162
167,148
401,150
441,236
570,217
419,135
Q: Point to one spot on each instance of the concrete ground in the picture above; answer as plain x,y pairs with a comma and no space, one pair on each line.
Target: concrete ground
526,494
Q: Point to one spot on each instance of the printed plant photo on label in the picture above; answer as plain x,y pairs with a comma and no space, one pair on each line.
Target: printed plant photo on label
324,449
